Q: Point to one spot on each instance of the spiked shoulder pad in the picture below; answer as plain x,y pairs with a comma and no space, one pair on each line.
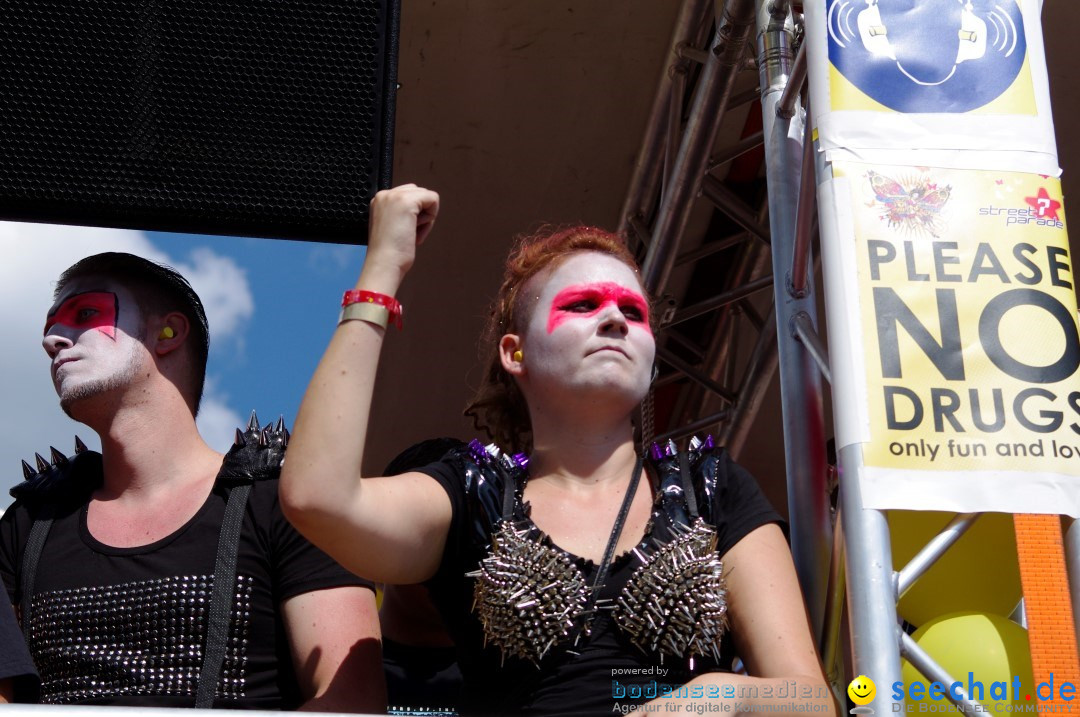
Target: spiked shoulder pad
703,459
257,453
62,478
487,473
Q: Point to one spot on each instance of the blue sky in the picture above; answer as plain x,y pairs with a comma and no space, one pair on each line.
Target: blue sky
297,288
272,307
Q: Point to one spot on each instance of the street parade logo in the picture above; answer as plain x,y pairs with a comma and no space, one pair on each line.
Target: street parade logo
928,55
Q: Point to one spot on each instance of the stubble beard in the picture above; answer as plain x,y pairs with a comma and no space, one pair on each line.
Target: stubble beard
70,396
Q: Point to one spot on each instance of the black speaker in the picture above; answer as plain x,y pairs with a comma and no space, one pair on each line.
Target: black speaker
266,118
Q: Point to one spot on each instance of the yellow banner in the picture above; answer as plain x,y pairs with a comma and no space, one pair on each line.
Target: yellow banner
968,318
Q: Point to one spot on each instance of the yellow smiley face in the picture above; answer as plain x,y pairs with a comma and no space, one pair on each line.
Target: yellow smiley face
862,690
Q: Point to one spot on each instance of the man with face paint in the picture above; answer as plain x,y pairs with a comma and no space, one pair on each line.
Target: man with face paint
160,572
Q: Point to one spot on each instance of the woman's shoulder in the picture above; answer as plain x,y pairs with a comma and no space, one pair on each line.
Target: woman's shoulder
721,491
477,477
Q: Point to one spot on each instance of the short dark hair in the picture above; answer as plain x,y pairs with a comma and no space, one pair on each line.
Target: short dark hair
160,289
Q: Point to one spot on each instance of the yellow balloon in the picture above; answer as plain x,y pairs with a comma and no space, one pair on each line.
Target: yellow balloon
979,572
976,648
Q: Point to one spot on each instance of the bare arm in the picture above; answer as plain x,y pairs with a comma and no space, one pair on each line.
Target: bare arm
336,649
7,691
368,525
770,629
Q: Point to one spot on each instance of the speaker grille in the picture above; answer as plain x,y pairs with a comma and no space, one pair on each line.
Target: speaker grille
252,117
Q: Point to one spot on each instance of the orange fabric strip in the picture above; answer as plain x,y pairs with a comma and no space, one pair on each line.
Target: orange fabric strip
1043,576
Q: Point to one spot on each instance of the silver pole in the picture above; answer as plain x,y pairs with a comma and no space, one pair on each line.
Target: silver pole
932,551
744,145
794,86
803,326
871,595
756,381
726,200
800,381
721,300
706,114
665,355
933,671
805,215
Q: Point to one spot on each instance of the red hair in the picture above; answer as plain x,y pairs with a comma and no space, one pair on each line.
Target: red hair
498,407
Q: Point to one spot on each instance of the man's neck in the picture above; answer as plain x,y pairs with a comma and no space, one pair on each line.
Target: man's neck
151,450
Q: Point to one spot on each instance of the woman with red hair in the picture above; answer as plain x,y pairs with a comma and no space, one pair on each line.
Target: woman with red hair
574,575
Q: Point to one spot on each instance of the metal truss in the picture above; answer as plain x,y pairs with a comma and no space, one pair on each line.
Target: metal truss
722,341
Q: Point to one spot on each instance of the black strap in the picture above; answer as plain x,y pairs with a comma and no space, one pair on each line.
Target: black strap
510,491
688,485
609,552
39,531
217,629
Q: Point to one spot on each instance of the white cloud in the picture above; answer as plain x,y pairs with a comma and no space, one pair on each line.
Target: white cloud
223,288
33,255
331,259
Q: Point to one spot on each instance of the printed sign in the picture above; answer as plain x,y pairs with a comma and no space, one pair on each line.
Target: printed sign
967,327
938,77
931,56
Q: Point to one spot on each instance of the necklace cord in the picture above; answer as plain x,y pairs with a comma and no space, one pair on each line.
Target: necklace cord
609,551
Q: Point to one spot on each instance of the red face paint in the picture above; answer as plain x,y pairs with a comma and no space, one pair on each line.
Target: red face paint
90,310
586,300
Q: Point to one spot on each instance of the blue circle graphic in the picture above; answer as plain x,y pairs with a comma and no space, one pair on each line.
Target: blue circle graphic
928,55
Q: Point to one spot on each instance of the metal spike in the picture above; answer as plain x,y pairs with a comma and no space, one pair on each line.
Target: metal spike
58,458
253,422
280,425
239,440
262,439
42,464
28,471
80,447
285,438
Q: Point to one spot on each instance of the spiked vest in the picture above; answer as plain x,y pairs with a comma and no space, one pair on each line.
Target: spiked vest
530,597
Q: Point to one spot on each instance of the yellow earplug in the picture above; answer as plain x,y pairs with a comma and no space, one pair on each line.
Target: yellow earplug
167,333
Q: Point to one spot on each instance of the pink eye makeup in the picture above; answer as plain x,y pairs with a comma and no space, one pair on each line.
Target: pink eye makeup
585,300
89,310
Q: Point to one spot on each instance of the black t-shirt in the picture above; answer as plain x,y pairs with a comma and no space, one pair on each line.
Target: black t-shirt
127,625
589,679
15,663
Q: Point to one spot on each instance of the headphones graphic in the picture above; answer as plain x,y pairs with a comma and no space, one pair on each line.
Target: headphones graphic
875,38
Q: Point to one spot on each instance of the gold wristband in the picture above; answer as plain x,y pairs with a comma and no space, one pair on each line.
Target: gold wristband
363,311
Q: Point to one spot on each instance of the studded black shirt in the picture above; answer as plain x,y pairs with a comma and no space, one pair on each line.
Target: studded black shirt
127,626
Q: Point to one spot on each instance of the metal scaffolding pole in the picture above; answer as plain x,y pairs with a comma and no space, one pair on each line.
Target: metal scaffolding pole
800,381
875,634
645,182
714,89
